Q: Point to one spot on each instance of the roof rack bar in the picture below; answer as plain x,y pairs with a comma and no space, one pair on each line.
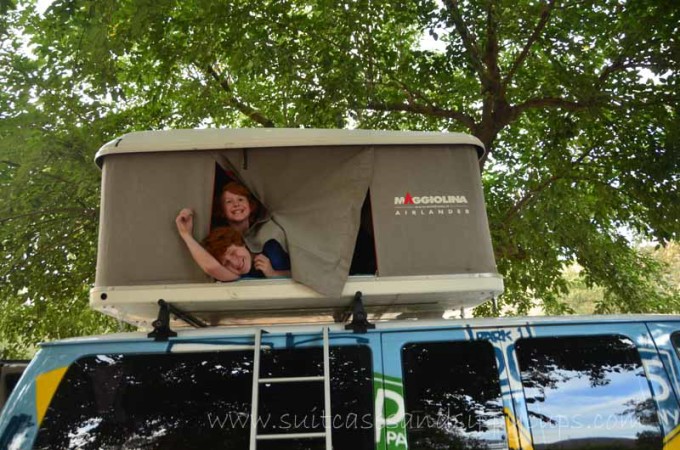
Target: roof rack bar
184,316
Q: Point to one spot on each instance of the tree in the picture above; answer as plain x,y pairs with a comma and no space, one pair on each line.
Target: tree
576,103
584,299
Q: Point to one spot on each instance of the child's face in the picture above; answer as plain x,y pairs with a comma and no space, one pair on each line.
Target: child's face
236,207
237,259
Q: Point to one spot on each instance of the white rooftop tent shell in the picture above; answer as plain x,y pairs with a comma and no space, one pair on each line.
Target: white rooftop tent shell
428,220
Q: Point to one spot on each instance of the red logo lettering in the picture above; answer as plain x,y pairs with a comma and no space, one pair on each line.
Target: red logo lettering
408,200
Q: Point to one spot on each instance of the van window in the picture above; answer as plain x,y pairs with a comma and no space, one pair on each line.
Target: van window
11,380
587,392
453,396
675,340
203,400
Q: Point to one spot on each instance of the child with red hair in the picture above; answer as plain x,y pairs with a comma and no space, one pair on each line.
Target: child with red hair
238,209
223,253
224,257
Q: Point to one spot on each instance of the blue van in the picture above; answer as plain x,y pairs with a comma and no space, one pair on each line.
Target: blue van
521,383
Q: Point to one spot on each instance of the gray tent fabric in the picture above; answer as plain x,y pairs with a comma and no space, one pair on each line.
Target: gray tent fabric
141,196
428,212
315,195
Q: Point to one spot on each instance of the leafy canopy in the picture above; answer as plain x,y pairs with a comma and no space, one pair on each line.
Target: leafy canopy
576,102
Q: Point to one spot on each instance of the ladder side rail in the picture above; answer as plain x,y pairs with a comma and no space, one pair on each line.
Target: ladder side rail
256,390
327,389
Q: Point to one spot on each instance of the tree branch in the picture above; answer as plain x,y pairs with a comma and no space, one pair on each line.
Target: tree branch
551,102
412,94
10,163
531,194
542,22
43,212
469,40
245,109
617,66
491,50
527,197
427,110
608,71
622,62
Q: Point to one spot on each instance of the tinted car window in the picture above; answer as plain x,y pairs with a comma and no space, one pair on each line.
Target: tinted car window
11,380
298,407
453,396
201,400
675,339
587,392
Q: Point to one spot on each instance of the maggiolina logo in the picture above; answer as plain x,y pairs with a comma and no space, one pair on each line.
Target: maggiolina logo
430,205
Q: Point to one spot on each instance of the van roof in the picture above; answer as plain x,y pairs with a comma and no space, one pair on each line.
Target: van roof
399,325
214,138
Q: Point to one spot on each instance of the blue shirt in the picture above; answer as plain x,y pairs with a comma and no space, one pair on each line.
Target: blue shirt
277,256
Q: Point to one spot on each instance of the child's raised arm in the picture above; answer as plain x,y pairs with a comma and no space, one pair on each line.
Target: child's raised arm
211,266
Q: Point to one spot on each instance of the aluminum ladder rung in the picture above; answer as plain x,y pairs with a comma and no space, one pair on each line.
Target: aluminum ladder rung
282,436
290,379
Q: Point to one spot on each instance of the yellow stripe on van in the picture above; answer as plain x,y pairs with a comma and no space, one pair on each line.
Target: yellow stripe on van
671,440
517,439
513,438
45,386
674,444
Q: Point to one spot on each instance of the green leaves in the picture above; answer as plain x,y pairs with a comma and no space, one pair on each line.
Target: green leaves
576,104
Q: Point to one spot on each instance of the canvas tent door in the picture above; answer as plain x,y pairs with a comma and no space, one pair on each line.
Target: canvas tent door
427,221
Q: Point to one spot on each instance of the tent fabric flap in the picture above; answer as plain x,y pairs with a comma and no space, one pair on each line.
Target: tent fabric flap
315,195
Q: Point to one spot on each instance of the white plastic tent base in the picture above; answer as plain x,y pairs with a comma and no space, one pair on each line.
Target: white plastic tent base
285,301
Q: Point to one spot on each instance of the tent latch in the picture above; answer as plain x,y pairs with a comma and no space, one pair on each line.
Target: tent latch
359,322
161,326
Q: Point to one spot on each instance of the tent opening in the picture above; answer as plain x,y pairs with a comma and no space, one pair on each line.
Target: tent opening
364,256
363,260
221,179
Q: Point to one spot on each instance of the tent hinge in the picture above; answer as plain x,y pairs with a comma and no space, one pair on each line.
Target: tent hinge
360,323
161,326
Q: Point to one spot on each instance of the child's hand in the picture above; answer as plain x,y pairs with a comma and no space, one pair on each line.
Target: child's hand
264,265
185,221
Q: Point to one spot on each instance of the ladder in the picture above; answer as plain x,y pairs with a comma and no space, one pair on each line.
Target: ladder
257,381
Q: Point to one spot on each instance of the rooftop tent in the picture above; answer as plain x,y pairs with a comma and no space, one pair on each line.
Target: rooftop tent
426,222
